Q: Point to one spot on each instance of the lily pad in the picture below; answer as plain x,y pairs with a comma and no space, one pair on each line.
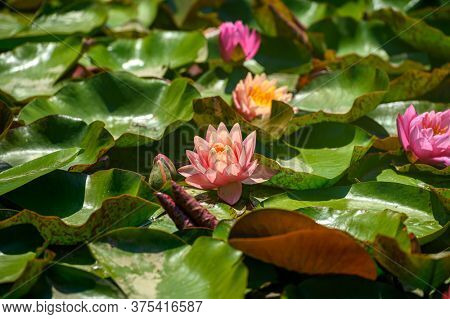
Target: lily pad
315,156
153,55
153,264
425,215
392,68
28,275
65,282
33,69
419,35
10,24
416,84
80,207
54,133
130,107
275,19
12,266
123,15
362,224
19,175
295,242
340,96
295,57
417,167
66,20
423,271
347,35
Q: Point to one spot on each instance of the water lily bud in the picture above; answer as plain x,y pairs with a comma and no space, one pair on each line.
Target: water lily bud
162,172
200,215
175,213
238,42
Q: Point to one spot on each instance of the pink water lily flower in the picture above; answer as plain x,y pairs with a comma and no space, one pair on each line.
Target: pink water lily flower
253,96
237,42
426,137
224,161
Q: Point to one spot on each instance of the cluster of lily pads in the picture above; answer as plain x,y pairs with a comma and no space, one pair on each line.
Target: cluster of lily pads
224,149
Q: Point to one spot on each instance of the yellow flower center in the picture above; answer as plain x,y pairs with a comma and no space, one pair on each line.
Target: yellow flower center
237,54
437,130
263,97
219,147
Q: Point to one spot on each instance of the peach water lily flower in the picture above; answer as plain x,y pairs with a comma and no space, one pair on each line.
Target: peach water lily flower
224,161
253,96
426,137
237,42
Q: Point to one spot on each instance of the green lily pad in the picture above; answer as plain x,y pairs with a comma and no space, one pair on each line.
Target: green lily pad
294,58
362,224
10,24
340,96
275,19
392,68
123,15
153,55
80,207
52,133
12,266
65,282
386,114
29,275
153,264
419,35
307,12
19,175
347,35
33,68
315,156
417,167
130,107
425,215
423,271
420,85
52,23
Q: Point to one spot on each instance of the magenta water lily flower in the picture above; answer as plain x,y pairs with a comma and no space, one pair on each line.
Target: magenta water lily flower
237,42
253,96
426,137
225,162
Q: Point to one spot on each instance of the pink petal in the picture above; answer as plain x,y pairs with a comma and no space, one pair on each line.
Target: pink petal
211,130
260,175
402,134
211,175
230,193
410,113
188,170
194,158
223,134
249,145
199,181
236,135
